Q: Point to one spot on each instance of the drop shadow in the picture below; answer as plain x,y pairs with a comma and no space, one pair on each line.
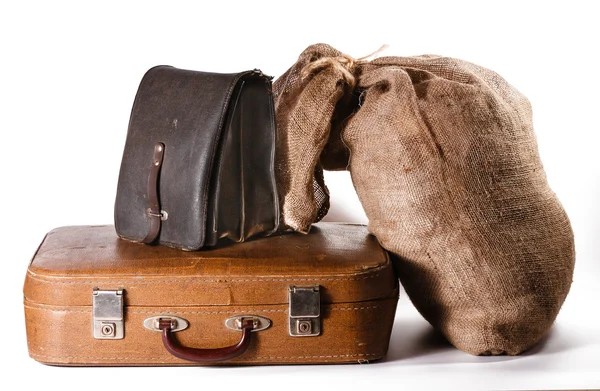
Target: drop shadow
556,341
415,342
548,344
415,338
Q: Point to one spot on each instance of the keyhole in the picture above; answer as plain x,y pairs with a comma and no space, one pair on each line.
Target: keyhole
107,330
304,327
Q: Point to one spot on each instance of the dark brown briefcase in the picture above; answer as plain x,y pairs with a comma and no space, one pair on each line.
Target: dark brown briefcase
326,297
198,162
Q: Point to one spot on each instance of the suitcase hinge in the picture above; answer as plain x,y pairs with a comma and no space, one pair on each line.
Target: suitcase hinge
107,310
304,311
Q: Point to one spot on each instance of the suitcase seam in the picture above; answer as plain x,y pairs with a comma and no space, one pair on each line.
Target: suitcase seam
133,280
199,312
174,358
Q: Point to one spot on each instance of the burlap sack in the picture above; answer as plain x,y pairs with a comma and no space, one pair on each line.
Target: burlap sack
445,162
305,103
446,165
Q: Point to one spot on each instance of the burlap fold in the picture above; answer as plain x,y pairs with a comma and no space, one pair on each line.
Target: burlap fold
304,106
445,162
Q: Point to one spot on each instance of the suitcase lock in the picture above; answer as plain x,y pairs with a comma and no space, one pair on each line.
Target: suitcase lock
304,311
107,310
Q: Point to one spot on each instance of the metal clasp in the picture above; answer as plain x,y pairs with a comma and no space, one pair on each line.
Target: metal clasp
304,311
107,314
177,323
163,214
258,322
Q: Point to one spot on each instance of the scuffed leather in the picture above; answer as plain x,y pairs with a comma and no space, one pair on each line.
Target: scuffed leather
359,292
345,256
217,178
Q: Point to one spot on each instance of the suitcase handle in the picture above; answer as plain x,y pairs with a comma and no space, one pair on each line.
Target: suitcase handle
204,355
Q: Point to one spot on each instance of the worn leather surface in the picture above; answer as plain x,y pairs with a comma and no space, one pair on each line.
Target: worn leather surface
351,332
359,293
243,201
191,113
342,257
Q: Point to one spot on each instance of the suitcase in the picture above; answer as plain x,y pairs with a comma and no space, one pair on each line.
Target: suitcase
92,299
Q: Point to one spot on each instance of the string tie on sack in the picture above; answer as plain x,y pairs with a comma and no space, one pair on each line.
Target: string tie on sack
344,63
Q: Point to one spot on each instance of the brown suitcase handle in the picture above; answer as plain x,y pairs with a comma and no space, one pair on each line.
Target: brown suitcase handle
205,355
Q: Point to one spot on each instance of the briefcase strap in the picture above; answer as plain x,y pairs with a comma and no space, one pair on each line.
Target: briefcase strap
154,212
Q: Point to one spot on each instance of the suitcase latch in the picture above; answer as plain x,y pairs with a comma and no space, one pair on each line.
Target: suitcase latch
304,311
107,309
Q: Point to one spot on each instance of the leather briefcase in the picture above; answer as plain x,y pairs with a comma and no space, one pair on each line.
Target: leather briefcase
198,163
325,297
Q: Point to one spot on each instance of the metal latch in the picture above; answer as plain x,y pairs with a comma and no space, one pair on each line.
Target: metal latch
107,310
177,323
304,311
259,323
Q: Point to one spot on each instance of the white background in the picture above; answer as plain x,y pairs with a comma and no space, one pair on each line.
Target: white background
68,76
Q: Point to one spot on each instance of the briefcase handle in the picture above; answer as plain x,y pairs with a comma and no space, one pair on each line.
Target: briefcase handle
167,327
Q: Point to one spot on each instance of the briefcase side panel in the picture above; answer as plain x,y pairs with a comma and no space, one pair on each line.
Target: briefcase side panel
261,204
225,193
244,193
350,332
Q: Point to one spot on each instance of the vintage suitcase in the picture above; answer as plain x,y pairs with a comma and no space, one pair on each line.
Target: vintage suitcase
325,297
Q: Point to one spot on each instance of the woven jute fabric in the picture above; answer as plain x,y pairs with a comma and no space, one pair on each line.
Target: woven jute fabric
445,162
304,107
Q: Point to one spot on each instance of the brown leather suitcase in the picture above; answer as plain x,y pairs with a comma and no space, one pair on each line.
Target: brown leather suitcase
94,299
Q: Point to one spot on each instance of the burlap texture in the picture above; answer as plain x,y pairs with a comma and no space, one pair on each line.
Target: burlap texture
445,162
304,107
